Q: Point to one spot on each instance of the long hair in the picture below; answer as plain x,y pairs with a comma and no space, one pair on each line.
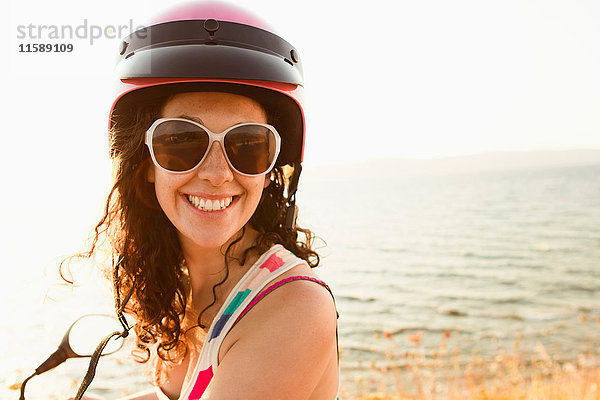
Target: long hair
148,272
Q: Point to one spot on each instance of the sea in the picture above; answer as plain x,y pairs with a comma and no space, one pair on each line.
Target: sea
474,262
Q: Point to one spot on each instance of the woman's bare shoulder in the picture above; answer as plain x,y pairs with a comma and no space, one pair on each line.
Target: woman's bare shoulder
310,303
283,345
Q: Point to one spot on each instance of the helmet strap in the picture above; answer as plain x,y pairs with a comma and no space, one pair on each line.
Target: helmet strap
291,212
119,305
290,216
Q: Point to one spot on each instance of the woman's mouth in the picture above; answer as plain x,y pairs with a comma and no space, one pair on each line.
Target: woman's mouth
208,204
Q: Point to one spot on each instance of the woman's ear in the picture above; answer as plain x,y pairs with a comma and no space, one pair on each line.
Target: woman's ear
150,174
267,180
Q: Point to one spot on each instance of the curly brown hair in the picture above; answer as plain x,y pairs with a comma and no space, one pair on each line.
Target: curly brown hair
147,270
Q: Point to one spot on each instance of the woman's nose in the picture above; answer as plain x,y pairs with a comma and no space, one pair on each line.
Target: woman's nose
215,167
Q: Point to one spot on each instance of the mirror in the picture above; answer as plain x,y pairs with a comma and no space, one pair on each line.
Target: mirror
81,340
86,332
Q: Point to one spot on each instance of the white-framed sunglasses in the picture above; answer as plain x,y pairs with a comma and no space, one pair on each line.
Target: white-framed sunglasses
179,145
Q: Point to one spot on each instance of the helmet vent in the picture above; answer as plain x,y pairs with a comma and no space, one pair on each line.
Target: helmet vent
211,26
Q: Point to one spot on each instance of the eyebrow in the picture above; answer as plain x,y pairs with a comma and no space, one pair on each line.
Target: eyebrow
198,120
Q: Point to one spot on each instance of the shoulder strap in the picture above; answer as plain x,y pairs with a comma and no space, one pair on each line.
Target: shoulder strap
282,282
278,284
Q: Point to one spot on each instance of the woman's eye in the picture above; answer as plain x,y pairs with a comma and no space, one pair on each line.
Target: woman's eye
251,140
179,138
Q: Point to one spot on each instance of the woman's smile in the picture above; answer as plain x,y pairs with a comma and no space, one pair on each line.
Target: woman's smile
209,204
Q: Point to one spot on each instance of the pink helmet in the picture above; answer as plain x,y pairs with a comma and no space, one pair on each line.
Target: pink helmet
213,46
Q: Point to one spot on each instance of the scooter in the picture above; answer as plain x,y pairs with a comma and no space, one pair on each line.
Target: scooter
79,341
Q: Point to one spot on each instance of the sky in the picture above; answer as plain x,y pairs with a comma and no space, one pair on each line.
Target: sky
410,79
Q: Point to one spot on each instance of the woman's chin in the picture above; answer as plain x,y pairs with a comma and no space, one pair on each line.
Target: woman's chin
207,240
208,243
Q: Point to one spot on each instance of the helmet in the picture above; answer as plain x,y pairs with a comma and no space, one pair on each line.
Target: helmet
213,46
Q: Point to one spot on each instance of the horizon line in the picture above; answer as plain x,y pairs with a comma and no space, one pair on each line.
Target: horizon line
451,157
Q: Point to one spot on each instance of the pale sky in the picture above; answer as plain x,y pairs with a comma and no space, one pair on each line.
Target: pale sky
383,79
413,79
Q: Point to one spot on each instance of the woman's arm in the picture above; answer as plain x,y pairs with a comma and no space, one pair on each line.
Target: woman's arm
283,347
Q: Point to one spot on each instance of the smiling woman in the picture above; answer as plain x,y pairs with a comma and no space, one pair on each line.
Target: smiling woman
207,135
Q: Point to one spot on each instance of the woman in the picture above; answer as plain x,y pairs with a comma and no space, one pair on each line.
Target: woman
207,135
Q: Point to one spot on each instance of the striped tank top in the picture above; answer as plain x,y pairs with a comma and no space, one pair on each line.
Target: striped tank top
248,291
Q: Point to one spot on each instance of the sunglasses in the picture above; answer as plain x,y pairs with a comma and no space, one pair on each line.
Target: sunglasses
179,145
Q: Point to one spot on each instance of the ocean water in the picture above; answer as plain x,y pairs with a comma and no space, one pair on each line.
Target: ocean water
487,260
492,259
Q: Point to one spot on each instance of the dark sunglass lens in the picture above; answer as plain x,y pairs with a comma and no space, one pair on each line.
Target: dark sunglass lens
251,148
179,145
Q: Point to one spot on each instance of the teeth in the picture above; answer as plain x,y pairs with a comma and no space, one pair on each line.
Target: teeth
209,205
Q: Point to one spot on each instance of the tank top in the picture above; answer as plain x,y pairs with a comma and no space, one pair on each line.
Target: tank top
247,292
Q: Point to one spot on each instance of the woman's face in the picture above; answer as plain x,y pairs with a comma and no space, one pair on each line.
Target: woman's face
184,197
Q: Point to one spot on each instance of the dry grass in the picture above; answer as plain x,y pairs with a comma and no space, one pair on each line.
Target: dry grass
446,375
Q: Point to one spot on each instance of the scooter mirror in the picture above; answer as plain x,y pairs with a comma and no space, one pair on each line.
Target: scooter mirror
85,334
81,340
